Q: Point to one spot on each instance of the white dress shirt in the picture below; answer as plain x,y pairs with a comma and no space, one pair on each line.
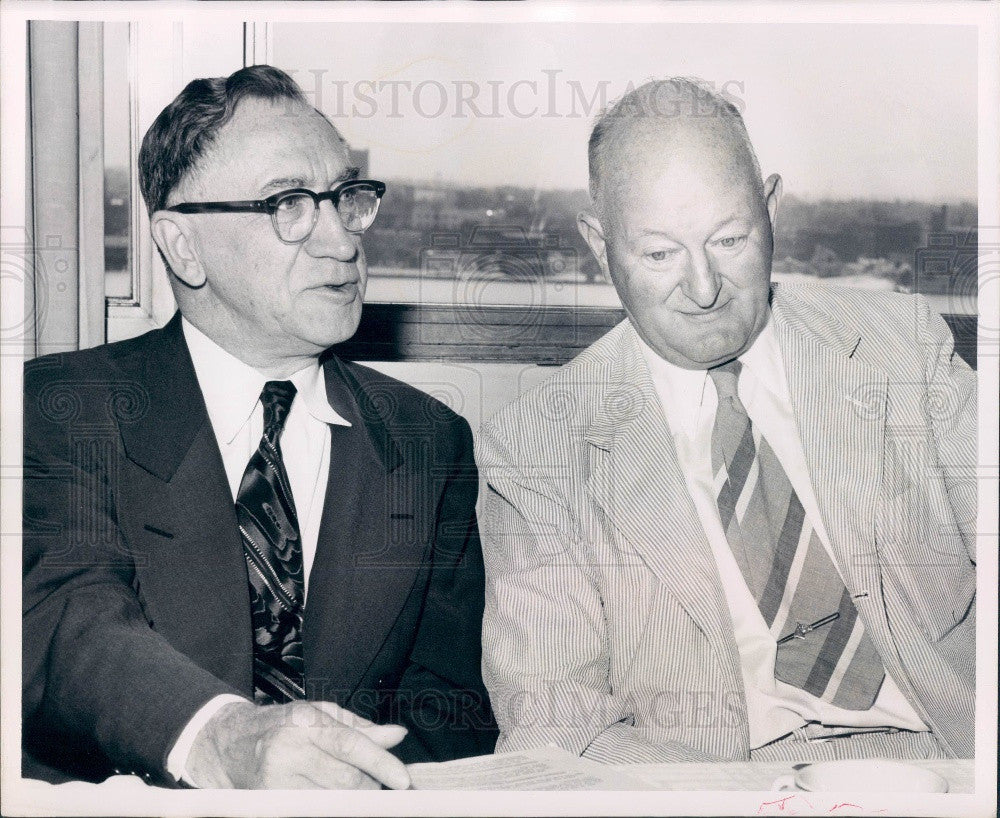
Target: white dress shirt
689,401
231,390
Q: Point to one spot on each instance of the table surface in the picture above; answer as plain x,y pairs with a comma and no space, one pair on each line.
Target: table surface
720,777
732,776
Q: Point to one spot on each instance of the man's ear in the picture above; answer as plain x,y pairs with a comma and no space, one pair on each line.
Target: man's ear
593,233
171,235
772,197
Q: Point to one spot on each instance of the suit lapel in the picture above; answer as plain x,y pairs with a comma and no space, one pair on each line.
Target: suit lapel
185,526
638,483
362,573
182,522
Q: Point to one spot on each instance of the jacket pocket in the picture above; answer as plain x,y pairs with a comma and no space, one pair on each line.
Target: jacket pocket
924,558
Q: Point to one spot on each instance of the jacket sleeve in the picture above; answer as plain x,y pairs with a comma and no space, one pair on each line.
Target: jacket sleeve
546,657
101,690
449,714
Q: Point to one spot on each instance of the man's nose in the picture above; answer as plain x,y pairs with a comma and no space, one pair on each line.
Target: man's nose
329,236
701,283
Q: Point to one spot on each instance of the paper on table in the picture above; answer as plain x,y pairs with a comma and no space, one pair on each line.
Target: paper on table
546,768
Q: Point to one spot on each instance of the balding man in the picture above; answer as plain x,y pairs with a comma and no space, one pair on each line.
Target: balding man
741,524
248,563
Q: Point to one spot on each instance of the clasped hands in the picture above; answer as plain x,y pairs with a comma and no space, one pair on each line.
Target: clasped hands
299,745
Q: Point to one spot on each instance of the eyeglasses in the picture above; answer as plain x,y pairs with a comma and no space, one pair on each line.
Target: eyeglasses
294,212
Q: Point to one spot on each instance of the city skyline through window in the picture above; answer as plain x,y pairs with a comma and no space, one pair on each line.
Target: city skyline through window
480,132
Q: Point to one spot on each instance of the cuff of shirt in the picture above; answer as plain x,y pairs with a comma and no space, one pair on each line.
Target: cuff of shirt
178,757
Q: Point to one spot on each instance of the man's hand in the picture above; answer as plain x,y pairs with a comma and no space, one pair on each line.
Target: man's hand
299,745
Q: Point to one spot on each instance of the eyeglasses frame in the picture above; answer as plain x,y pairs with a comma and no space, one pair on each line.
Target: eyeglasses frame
270,205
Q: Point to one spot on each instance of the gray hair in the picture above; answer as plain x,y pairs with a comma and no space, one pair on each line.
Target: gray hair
662,101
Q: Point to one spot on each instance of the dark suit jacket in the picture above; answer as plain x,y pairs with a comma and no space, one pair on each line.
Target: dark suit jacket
136,605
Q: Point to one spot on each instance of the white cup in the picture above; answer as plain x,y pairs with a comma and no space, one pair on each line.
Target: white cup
863,775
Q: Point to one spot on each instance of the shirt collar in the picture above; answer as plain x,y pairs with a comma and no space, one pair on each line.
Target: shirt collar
765,364
232,388
311,385
683,391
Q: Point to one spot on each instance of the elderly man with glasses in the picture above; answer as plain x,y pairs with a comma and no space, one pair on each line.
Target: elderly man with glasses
248,563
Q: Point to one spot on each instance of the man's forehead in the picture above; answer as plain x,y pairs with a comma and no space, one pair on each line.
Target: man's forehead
262,120
267,140
642,159
676,141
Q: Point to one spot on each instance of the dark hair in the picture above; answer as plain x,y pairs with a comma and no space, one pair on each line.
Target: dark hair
189,124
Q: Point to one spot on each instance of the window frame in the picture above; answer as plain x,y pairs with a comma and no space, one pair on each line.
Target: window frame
154,58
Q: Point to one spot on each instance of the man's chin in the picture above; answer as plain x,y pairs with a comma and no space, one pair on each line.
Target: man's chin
331,338
723,349
715,355
326,328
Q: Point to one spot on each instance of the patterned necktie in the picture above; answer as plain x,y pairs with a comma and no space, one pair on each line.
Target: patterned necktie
270,530
785,565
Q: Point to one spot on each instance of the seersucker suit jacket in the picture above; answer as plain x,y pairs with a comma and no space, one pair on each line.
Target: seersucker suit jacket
136,602
606,628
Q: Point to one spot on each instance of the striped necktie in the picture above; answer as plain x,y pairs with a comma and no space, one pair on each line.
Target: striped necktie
785,565
270,530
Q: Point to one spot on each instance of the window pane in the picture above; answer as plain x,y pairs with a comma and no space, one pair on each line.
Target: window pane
480,132
118,278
